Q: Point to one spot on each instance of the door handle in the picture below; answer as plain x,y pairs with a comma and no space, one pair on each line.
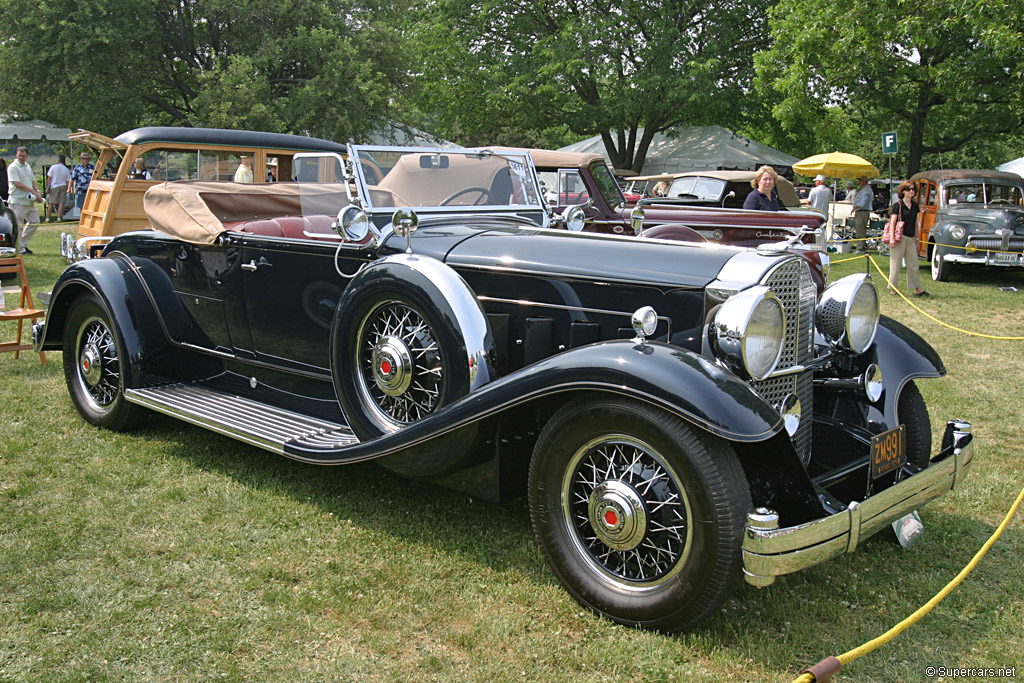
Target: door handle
253,265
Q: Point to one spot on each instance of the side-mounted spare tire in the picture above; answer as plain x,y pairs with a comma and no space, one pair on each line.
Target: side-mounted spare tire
408,339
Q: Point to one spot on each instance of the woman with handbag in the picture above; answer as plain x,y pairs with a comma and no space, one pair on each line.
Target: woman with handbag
901,236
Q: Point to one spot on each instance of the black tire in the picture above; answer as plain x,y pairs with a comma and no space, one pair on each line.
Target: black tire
640,515
93,368
913,412
940,268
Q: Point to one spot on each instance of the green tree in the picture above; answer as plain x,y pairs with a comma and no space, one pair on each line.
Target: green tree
945,74
588,66
322,67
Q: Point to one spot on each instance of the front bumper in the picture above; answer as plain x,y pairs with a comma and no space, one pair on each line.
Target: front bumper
987,258
769,551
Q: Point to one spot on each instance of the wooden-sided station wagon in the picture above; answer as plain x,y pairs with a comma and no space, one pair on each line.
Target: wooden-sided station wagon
113,203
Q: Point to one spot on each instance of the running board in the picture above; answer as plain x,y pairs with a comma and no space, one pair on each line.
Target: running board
243,419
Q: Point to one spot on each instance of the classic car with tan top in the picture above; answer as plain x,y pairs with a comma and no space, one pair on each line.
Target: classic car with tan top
682,416
113,202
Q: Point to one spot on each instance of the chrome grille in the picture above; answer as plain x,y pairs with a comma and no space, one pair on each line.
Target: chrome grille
791,282
995,243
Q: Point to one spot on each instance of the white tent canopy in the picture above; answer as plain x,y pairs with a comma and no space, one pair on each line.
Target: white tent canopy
697,148
31,131
1015,166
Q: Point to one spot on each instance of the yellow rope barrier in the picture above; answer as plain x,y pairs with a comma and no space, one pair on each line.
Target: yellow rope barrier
872,645
933,318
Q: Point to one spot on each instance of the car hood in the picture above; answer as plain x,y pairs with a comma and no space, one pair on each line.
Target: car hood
591,256
744,218
997,217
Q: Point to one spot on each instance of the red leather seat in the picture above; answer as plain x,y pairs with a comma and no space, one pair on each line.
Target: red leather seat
294,227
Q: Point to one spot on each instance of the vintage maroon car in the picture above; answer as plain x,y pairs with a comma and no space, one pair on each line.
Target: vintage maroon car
572,179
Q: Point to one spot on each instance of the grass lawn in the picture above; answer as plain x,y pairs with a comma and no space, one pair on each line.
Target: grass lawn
174,554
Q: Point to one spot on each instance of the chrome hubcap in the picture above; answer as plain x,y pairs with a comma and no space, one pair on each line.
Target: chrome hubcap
91,363
392,366
617,515
399,369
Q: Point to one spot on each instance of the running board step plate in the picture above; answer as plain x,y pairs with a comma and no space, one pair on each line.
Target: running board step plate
241,418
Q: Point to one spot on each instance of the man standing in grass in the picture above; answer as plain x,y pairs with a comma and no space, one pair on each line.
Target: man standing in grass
80,177
57,190
24,193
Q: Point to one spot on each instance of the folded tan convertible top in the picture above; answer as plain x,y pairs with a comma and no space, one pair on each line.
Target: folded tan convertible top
196,212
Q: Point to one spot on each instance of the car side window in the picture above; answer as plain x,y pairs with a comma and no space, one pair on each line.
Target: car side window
172,164
571,190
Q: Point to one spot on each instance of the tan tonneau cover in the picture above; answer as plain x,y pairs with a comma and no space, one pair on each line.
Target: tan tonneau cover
197,211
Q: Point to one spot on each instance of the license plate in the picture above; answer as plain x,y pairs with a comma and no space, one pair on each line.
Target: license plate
1000,257
888,451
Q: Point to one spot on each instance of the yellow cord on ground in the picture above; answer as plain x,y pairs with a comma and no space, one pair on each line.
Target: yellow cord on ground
899,628
933,318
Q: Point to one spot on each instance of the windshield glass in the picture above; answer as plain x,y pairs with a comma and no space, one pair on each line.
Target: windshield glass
982,193
704,189
416,178
606,185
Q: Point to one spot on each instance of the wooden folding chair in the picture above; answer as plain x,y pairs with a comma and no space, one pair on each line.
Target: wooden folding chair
25,310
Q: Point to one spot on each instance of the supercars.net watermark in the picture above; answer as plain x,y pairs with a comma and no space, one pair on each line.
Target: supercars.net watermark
951,672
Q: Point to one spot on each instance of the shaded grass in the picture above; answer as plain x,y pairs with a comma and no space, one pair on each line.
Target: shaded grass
173,554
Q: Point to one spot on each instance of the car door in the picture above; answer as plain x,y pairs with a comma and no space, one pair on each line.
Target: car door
928,200
292,289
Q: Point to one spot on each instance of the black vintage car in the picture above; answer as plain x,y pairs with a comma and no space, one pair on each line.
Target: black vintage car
681,415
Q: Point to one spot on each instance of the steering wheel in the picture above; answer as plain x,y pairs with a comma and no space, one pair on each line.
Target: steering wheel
485,195
1000,201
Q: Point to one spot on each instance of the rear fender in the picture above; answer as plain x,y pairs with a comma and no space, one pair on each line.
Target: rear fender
115,283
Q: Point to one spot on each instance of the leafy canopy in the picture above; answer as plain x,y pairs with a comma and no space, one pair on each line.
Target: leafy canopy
945,74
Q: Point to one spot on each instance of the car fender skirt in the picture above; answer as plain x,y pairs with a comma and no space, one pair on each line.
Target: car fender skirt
675,380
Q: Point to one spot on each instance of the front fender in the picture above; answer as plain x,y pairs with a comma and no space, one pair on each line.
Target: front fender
903,355
120,292
671,378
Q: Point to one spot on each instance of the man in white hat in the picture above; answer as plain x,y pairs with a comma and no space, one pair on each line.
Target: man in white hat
820,197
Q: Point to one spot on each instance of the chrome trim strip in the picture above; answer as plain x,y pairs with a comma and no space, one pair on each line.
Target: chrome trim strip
772,552
578,277
563,307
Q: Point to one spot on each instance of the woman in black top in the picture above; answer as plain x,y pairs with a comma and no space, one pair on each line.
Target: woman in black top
764,197
905,209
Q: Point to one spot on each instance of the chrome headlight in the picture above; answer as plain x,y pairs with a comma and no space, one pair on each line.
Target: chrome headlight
573,218
748,332
847,314
957,232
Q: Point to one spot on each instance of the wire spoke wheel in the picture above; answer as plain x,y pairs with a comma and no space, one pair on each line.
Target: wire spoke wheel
94,367
99,368
640,516
399,365
626,511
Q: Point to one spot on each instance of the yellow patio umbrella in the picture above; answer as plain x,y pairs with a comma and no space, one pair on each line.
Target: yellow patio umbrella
836,165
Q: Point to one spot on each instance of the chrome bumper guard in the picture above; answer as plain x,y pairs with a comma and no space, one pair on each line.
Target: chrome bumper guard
769,551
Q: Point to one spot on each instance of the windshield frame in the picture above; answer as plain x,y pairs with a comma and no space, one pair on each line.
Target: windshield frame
519,163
